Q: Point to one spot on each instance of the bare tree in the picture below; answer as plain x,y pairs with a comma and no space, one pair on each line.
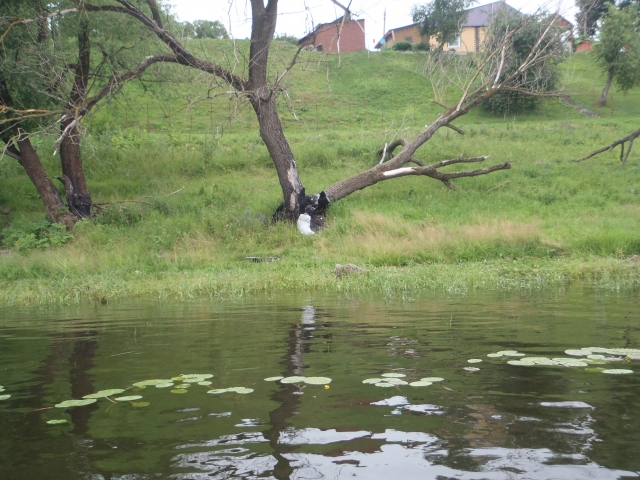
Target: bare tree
487,77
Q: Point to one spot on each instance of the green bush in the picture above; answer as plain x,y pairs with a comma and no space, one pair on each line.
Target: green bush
401,46
422,47
28,236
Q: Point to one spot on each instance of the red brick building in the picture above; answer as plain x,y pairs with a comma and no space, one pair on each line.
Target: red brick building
325,37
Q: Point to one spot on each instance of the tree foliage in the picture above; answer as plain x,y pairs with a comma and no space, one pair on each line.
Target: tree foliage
618,51
589,12
539,81
209,29
440,19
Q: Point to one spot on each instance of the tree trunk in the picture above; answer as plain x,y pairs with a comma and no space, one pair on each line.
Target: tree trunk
51,198
605,91
263,100
70,154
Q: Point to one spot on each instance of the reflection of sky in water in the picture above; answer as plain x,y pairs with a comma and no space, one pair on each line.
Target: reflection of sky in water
404,455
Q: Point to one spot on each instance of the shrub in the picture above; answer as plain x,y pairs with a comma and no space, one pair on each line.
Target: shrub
401,46
422,47
31,235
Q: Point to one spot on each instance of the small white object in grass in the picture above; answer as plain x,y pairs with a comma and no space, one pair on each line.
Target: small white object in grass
273,379
304,224
393,375
618,371
474,360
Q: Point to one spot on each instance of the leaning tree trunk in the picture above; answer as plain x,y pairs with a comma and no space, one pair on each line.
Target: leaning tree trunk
605,90
263,100
51,198
79,198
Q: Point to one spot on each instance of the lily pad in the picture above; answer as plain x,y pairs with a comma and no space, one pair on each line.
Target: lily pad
273,379
206,383
618,371
57,422
384,384
179,390
152,382
129,398
471,369
105,393
494,355
242,390
140,404
164,385
76,403
4,397
420,383
393,375
432,379
293,379
474,360
394,381
507,352
372,380
204,376
317,380
219,390
595,370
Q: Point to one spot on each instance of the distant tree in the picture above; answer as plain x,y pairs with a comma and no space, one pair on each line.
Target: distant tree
542,80
209,29
589,12
188,30
283,37
618,51
440,19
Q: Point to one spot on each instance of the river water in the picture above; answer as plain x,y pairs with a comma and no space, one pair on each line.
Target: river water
502,421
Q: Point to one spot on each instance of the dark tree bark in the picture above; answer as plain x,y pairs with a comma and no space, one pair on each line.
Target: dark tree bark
621,141
605,91
70,154
51,198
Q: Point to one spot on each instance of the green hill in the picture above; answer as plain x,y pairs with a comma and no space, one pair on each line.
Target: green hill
186,190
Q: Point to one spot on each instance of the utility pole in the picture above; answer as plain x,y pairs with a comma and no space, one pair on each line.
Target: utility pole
384,22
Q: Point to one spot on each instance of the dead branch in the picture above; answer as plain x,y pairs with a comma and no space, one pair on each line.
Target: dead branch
621,141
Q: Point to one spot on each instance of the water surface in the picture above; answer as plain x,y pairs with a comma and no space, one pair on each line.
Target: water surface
501,422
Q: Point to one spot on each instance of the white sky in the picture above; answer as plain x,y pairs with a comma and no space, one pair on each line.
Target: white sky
295,17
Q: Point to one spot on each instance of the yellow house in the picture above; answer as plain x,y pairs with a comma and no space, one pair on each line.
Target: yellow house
472,30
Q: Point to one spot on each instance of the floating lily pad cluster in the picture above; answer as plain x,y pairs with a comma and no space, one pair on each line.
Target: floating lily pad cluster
591,356
5,396
506,353
300,379
239,390
395,379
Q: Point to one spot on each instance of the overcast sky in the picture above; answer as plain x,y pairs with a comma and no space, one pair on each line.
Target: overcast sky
295,17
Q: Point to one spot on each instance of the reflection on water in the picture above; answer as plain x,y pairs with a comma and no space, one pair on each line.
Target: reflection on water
502,422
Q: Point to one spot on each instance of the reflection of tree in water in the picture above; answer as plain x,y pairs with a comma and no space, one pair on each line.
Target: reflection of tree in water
287,395
76,352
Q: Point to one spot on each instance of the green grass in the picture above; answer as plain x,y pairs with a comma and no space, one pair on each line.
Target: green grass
550,220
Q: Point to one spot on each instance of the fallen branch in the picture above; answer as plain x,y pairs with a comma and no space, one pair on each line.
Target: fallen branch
621,141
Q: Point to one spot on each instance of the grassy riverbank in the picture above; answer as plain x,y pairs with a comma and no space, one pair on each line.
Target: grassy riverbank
204,197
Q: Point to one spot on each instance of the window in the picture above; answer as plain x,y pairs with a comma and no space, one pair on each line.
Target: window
455,43
408,39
